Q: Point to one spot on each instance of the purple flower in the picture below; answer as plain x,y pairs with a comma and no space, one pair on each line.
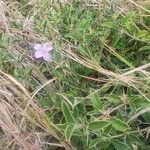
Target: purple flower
42,51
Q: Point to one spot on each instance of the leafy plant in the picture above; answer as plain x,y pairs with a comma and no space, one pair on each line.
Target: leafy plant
94,95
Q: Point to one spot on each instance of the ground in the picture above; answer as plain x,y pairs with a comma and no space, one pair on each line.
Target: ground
94,93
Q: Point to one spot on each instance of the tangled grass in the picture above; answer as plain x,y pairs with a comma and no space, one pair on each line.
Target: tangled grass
95,93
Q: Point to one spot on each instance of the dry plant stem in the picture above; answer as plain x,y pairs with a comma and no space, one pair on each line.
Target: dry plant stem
135,38
33,109
93,65
138,69
107,113
40,88
139,6
139,113
113,52
95,79
52,144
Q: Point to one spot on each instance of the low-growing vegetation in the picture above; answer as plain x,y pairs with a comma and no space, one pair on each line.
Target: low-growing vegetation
95,92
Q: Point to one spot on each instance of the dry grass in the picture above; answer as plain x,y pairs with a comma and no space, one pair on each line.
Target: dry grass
22,120
24,124
126,78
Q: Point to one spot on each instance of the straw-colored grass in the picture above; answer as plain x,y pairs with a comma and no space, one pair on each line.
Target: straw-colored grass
25,122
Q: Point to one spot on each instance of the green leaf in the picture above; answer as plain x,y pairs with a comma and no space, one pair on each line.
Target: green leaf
142,34
84,24
84,50
146,117
62,126
108,24
97,103
69,131
98,125
73,36
114,98
140,102
101,142
94,142
120,145
144,48
133,139
92,113
119,125
67,113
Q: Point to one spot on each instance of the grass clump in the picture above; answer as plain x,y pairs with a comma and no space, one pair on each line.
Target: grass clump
95,92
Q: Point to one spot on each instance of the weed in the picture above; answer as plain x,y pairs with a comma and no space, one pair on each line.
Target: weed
95,92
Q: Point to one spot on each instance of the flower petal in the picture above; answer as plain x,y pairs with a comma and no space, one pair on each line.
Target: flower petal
47,57
47,47
38,47
38,54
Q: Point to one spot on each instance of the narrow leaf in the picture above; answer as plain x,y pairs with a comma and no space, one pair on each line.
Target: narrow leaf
69,131
67,113
73,36
62,126
144,48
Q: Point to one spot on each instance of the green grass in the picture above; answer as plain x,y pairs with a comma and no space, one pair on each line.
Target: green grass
95,93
